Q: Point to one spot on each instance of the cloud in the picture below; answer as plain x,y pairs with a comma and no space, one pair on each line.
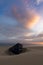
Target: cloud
10,28
39,1
31,38
19,21
3,37
33,19
28,18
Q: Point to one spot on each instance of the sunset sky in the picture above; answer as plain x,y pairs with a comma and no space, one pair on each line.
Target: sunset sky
21,21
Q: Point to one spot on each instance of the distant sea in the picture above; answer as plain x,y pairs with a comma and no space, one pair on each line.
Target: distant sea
24,45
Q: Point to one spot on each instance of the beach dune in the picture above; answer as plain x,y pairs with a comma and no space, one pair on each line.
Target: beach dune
34,56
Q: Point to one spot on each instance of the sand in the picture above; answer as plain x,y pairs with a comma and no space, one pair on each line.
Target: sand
34,56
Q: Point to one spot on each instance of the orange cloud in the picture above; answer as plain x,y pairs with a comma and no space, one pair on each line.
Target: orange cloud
33,20
41,43
28,19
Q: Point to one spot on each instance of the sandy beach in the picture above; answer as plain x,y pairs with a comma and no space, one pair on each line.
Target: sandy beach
34,56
